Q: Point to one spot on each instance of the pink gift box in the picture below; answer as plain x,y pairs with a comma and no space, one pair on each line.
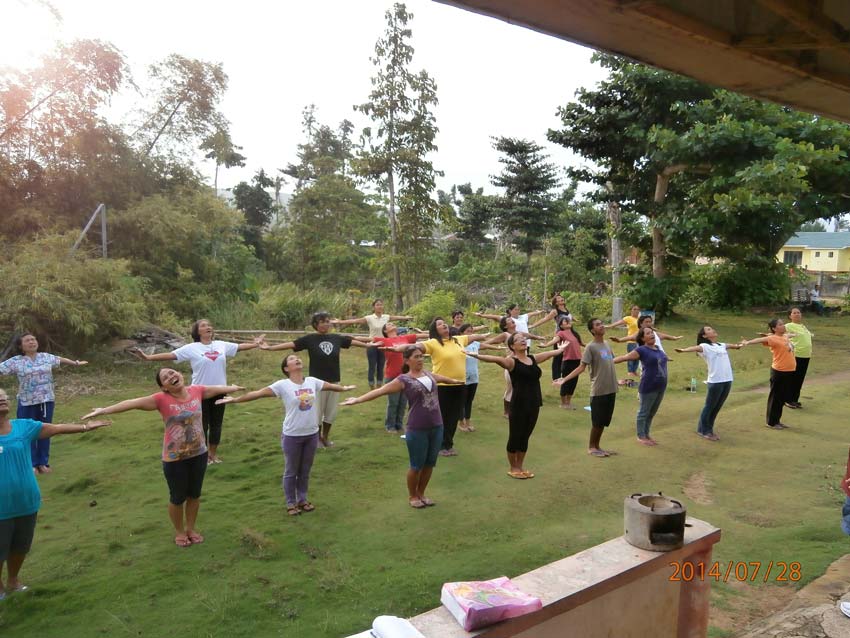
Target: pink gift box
479,603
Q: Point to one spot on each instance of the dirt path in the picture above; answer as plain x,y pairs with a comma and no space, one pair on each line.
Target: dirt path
820,379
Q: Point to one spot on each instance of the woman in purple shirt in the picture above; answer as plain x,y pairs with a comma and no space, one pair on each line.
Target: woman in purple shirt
424,434
653,381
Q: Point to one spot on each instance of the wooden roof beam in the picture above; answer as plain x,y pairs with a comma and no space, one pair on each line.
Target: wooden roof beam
807,18
786,42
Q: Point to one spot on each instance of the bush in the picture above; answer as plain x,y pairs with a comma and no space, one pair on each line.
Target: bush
76,300
583,306
289,307
640,287
437,303
755,282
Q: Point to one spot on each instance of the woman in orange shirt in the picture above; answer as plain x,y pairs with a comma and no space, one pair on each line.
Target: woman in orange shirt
781,371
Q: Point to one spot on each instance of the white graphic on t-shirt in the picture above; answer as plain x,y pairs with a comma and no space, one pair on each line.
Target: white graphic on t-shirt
327,347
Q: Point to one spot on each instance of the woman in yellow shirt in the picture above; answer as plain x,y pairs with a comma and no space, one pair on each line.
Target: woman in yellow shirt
631,323
801,339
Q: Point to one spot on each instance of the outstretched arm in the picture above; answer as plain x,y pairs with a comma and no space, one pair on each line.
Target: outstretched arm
147,403
664,335
393,386
749,342
486,316
250,345
211,391
162,356
505,362
401,318
696,348
335,387
52,429
481,337
499,338
528,335
572,375
548,354
363,344
69,362
632,337
248,396
616,324
286,345
631,356
549,315
348,322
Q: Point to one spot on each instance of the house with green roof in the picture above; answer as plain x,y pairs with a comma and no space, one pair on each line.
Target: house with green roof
819,252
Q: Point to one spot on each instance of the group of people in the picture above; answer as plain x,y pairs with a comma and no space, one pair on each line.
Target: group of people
438,400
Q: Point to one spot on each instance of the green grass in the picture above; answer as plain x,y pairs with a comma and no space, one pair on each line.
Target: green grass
103,562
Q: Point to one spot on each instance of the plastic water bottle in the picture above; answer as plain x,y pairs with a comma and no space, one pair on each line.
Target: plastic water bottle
693,385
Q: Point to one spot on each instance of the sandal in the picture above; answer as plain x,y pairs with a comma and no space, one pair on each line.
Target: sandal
181,540
427,501
416,503
195,538
293,510
517,475
597,452
470,428
306,506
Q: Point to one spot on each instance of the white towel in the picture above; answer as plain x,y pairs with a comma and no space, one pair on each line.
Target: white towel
394,627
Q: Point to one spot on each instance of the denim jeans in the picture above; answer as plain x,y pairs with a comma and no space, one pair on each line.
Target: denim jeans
375,358
649,404
845,516
396,406
632,366
715,397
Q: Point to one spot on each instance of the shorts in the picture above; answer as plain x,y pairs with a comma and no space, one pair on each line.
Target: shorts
602,410
328,405
423,446
185,478
16,535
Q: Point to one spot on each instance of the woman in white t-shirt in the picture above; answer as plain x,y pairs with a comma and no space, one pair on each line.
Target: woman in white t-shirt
300,433
513,311
208,358
719,377
376,322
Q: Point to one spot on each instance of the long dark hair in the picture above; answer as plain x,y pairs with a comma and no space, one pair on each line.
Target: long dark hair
572,329
772,324
19,342
701,338
555,305
432,331
643,318
503,323
406,354
640,337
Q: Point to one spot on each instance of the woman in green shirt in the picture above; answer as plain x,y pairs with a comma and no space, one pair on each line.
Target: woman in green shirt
801,339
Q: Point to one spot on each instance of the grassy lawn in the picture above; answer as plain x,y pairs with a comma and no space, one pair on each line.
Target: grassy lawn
103,561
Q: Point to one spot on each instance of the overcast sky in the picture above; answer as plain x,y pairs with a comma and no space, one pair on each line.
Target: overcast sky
492,78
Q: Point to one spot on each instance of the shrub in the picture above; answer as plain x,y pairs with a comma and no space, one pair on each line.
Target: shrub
753,282
289,307
76,300
437,303
583,305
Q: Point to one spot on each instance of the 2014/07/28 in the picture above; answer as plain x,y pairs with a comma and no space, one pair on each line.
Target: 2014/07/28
738,570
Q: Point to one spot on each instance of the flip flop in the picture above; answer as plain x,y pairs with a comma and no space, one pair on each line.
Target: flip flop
181,540
416,504
293,510
517,475
427,501
195,538
597,453
528,474
306,506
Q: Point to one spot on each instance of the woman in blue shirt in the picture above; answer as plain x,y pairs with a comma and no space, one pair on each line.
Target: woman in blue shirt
20,498
653,381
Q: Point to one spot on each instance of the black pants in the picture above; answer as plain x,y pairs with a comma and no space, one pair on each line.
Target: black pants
799,377
570,386
451,404
781,384
212,416
521,424
469,391
556,366
185,478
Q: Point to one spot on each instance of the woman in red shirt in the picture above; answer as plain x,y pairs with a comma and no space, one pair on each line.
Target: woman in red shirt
396,402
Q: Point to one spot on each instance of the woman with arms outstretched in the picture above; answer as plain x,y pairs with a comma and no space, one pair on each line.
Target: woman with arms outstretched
184,447
424,434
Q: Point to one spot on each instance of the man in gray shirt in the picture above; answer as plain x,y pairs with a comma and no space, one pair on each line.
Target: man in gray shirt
603,384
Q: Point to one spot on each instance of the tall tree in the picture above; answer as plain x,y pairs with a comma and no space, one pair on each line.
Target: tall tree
394,153
528,210
221,149
257,205
185,108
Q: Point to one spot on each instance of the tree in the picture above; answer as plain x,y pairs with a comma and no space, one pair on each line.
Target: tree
528,212
816,226
394,151
223,151
186,102
257,206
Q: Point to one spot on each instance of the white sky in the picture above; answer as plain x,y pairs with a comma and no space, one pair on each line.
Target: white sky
492,78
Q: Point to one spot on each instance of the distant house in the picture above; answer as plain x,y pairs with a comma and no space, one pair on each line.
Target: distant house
820,252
